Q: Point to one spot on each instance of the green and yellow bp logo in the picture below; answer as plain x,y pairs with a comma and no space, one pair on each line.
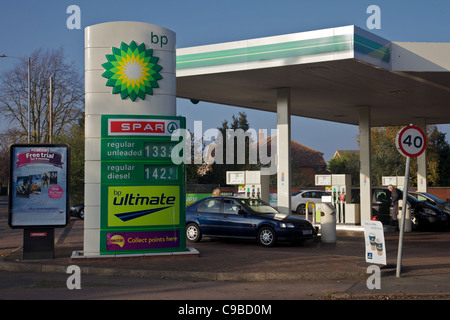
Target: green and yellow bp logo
132,71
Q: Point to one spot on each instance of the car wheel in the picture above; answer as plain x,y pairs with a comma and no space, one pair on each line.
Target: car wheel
81,214
301,209
193,233
267,237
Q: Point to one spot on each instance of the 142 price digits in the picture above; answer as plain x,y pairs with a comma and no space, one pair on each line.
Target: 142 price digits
160,173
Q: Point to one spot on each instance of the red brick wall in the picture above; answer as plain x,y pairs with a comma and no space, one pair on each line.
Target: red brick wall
442,193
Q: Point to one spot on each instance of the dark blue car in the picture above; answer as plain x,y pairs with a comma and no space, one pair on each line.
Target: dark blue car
235,217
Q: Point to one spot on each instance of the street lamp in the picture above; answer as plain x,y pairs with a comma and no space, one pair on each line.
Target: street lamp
29,89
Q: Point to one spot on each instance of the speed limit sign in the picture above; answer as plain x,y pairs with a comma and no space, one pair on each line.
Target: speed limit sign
411,141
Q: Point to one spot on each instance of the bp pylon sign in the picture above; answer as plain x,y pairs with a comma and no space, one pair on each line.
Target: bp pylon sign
134,193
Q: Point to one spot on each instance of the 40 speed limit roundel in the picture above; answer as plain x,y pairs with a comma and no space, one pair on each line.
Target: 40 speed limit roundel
411,141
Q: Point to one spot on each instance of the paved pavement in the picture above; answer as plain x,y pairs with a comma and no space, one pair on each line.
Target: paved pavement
425,264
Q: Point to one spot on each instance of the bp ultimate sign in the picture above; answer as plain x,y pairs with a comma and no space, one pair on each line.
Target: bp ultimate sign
134,193
142,191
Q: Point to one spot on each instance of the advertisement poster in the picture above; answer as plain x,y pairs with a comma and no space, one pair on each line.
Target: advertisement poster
39,178
375,244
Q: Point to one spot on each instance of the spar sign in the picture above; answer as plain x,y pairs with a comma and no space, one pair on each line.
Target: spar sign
142,127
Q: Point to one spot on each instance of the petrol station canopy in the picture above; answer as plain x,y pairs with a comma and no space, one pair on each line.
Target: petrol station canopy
344,74
330,73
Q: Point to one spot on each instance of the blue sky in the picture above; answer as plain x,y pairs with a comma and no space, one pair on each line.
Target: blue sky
28,25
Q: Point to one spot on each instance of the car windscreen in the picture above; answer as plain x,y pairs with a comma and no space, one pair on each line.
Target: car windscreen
258,206
436,199
412,199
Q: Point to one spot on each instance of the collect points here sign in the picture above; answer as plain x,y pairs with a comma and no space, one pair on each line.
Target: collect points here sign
143,191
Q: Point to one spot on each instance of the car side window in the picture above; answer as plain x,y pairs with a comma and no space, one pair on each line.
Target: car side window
211,206
421,198
381,196
306,195
230,207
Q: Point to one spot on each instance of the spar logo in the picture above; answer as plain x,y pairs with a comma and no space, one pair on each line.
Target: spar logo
143,205
142,127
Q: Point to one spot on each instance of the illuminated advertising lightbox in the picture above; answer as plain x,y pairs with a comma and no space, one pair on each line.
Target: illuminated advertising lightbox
39,185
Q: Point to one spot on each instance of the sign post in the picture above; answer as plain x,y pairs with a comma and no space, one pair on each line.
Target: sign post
410,142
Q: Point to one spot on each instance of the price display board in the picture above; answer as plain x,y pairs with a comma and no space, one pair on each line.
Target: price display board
143,192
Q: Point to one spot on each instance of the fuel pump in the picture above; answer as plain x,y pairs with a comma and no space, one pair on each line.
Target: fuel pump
256,184
338,205
342,183
342,204
252,191
334,196
341,188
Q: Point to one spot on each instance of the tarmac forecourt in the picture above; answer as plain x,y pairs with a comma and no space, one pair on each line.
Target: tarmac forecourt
425,268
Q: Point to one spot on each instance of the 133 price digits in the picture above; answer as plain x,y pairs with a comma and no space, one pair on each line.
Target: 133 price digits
158,150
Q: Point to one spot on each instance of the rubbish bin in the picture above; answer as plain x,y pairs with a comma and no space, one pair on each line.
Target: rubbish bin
327,222
408,222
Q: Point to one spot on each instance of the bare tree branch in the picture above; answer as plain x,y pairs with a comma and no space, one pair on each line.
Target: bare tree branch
68,94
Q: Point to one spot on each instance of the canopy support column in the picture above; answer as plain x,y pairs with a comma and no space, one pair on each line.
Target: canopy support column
422,185
284,150
365,164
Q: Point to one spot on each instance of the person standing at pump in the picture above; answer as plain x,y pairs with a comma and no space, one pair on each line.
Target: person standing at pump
395,194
